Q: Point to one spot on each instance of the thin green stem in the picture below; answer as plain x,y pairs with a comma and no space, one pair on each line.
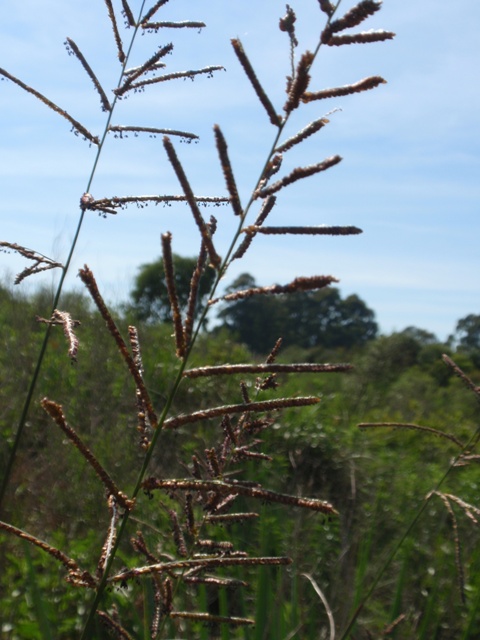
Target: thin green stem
43,348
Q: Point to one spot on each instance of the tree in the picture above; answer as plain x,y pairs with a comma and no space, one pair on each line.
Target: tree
467,337
150,295
312,319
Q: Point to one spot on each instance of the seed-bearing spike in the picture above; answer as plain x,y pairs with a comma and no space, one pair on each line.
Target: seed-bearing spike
192,201
116,33
77,127
251,75
227,171
103,96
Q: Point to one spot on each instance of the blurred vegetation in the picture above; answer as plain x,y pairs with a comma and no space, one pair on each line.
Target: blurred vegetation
375,478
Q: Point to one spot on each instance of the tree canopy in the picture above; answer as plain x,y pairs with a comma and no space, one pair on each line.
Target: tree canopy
150,295
306,319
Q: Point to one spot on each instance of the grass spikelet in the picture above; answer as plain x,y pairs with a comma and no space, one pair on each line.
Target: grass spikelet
187,189
127,12
88,279
185,24
71,46
177,534
67,562
308,131
299,284
55,411
195,283
269,367
251,75
237,488
267,206
143,424
154,131
42,263
322,230
116,33
175,76
298,174
172,294
227,171
215,412
146,66
153,10
65,319
77,127
299,83
355,15
111,537
327,7
363,37
199,563
362,85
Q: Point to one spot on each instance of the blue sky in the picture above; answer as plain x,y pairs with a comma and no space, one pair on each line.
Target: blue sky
410,148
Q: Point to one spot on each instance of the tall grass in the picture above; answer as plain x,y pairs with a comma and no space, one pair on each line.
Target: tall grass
176,563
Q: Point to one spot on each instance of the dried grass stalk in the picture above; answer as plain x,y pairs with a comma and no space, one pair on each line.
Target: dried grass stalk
298,174
200,563
327,7
322,230
237,488
69,563
185,24
127,12
77,127
71,46
187,189
116,33
118,128
309,130
146,66
299,83
251,75
153,10
232,369
65,319
143,424
227,171
355,16
55,411
175,76
311,283
362,85
363,37
172,294
38,258
215,412
108,205
88,279
195,283
267,206
111,537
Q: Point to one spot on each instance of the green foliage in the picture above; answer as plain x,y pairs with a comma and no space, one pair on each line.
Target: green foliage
150,297
306,320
